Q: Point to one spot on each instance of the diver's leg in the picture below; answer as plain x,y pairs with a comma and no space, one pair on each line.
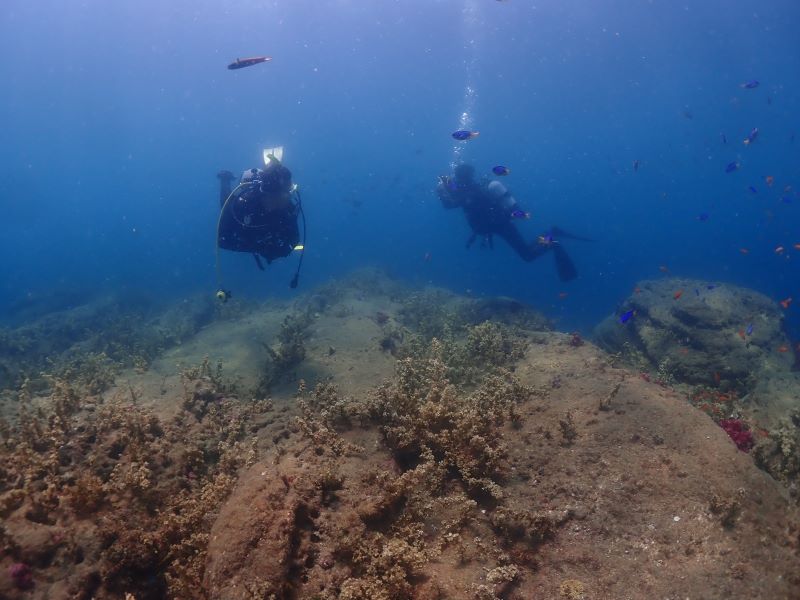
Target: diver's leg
525,250
225,179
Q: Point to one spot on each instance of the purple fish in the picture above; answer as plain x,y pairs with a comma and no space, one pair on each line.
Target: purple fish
752,189
500,170
750,85
731,167
724,138
520,214
626,316
749,330
751,137
462,135
703,217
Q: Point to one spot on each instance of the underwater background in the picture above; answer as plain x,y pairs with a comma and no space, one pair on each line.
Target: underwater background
116,117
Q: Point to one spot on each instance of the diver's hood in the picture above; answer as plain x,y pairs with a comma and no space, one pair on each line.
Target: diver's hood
271,154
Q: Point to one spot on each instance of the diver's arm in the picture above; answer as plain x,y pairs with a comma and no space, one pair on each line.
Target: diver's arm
445,196
225,179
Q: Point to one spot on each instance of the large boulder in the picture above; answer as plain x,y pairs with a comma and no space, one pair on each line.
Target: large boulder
697,332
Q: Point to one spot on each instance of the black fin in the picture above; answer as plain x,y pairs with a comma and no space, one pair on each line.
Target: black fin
564,265
258,262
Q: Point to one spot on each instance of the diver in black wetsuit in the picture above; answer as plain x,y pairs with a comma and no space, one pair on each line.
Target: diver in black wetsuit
490,210
259,216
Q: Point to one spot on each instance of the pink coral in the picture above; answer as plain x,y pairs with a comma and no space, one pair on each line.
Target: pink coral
739,433
21,575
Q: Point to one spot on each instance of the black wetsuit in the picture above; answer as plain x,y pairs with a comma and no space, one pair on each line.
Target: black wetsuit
490,216
247,226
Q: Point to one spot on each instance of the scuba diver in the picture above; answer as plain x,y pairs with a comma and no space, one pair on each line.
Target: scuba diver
259,215
491,209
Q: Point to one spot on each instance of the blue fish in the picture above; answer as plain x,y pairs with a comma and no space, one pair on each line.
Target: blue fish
626,316
696,292
724,138
750,85
710,286
703,217
731,167
751,137
500,170
752,189
786,199
749,330
462,135
520,214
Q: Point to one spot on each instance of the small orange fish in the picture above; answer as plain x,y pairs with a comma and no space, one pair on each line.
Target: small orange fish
779,249
663,269
717,377
684,351
769,179
786,302
744,250
796,246
637,290
563,295
677,295
741,333
783,348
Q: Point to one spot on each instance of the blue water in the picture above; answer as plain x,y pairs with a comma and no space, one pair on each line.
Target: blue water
117,115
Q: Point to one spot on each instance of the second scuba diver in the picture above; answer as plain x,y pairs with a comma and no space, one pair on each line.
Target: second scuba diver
259,215
491,209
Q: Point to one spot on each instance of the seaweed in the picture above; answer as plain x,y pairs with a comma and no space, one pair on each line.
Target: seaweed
146,488
288,351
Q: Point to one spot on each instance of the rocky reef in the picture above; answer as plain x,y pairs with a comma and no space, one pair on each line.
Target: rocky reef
482,457
109,333
699,333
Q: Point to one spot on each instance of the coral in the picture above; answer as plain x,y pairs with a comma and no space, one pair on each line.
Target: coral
94,372
421,410
739,433
147,489
383,569
480,350
289,351
568,430
572,589
778,453
429,314
725,508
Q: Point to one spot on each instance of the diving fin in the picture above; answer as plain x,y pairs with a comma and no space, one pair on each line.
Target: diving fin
271,154
258,261
564,265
